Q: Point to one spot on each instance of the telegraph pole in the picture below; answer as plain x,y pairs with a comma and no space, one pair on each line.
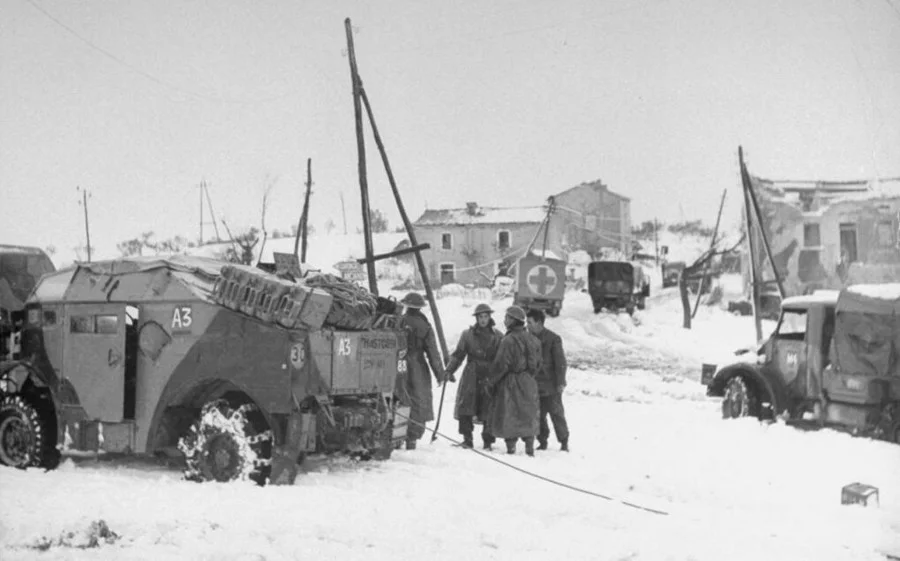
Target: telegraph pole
656,239
754,275
200,188
87,228
344,213
361,151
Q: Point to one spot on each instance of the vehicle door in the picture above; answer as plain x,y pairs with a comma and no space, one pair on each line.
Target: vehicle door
788,347
94,358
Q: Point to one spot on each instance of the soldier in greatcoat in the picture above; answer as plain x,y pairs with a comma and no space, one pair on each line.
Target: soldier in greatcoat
477,346
551,380
515,406
421,352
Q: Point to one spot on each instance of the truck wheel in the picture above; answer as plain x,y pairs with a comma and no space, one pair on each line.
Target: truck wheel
740,400
228,443
26,435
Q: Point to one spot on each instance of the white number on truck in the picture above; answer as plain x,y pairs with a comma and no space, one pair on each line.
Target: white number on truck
343,346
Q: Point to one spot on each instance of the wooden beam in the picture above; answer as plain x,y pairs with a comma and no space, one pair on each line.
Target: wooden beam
395,253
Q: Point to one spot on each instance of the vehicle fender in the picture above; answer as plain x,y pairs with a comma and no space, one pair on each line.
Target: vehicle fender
15,373
771,389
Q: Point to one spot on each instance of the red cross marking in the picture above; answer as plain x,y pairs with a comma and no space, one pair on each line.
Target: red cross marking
544,282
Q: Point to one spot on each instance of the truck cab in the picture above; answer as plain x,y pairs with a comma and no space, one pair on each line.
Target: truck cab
832,360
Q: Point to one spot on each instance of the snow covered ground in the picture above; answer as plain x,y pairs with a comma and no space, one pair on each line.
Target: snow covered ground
643,432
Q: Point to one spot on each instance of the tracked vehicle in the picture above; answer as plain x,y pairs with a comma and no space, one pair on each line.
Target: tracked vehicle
240,372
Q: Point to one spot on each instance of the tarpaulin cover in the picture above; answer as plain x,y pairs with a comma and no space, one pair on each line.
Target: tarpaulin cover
867,330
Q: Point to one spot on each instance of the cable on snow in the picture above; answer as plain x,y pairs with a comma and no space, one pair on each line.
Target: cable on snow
538,476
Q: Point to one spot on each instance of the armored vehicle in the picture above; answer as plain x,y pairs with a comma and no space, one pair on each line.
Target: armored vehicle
235,369
540,283
833,360
617,285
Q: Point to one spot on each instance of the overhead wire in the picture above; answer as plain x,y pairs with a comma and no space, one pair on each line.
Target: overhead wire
141,72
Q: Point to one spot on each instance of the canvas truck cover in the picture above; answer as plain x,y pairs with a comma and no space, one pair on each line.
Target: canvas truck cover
615,276
867,330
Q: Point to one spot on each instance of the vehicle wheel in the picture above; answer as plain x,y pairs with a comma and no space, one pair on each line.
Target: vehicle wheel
227,443
26,436
641,304
740,400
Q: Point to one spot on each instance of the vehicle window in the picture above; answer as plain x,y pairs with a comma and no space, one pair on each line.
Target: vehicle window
81,324
49,318
792,325
108,324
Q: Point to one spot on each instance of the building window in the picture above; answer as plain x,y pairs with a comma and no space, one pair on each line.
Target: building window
448,273
885,234
811,235
446,240
503,239
848,243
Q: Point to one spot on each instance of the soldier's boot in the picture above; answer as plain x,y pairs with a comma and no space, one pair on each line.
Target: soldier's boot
510,445
467,440
488,442
542,444
410,444
529,446
564,445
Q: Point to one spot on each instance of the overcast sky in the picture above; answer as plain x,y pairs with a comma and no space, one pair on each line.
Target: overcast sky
500,102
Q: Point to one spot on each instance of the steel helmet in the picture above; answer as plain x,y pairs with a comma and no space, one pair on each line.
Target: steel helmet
482,309
413,300
516,312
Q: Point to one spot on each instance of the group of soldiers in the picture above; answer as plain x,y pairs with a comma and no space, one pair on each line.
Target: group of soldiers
511,383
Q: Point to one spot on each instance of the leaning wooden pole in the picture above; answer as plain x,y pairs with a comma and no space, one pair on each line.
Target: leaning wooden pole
306,209
762,232
361,149
712,247
754,281
429,294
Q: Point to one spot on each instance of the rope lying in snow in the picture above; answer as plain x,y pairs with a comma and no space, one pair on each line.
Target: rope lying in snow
538,476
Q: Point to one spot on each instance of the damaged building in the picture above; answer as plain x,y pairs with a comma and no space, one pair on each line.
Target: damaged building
827,234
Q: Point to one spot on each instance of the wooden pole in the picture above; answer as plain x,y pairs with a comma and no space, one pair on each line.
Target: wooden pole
201,211
212,213
762,230
656,239
87,228
306,208
712,246
361,149
754,281
344,213
410,231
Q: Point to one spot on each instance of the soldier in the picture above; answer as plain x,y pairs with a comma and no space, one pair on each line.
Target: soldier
421,345
514,407
478,346
551,380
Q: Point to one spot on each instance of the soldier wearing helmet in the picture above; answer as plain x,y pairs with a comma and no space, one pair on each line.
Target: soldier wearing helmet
477,346
515,405
421,351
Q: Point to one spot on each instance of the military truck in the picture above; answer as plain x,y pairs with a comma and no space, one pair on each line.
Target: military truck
234,369
832,360
20,269
617,285
540,283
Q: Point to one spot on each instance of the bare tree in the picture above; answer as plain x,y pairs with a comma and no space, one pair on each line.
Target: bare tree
694,269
